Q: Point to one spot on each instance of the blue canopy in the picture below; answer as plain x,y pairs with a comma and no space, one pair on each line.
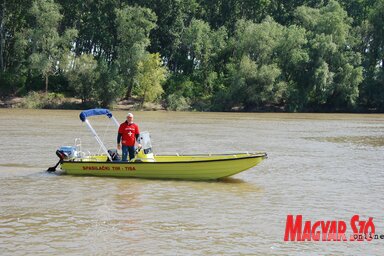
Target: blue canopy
94,112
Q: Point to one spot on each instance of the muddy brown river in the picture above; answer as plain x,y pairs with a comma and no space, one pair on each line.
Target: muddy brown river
324,167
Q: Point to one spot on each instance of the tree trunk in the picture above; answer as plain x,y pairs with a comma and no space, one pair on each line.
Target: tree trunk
46,83
129,89
129,92
143,100
2,36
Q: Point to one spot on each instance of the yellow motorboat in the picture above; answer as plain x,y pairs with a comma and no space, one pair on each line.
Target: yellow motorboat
148,165
191,167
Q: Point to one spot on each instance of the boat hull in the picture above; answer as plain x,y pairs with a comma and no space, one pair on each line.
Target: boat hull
169,167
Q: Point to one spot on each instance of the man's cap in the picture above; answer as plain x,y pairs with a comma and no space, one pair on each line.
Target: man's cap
130,114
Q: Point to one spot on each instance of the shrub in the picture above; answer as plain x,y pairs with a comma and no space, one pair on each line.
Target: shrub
43,100
177,102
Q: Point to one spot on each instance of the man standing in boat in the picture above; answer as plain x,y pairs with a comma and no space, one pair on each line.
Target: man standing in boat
128,134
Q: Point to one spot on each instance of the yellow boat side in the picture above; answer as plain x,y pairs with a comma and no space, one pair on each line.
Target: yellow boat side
191,167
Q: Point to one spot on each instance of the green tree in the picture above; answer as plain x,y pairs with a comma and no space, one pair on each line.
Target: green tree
334,72
2,33
151,76
202,47
197,44
254,76
48,47
178,92
310,55
82,76
109,85
225,13
358,9
133,27
372,95
96,23
254,86
166,38
293,59
13,46
283,11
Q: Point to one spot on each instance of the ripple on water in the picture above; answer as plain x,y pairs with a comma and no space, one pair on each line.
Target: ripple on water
361,141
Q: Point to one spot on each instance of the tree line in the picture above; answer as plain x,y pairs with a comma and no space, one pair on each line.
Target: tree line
205,55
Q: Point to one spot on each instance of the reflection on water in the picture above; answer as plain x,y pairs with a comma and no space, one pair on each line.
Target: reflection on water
362,141
322,166
231,180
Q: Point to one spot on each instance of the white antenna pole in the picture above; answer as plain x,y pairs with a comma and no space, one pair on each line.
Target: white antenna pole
98,139
115,121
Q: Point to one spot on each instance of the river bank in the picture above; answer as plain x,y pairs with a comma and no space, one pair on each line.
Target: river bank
74,103
58,101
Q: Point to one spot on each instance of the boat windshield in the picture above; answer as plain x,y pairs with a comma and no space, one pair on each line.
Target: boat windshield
145,141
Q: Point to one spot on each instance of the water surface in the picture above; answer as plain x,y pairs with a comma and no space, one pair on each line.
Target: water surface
322,166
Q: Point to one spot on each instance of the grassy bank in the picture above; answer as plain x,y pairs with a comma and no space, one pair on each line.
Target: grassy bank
41,100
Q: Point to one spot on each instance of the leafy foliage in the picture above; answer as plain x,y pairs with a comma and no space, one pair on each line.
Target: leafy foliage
151,75
217,55
133,27
43,100
82,76
254,75
109,85
48,47
334,67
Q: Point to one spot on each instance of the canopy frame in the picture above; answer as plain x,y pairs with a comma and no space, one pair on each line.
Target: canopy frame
95,112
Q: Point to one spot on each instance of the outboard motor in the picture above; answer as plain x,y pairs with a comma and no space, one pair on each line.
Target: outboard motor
145,154
67,152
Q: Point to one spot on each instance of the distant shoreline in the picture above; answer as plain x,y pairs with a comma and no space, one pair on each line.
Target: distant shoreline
133,104
73,103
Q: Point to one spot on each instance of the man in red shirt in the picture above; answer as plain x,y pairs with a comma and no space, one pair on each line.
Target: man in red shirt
128,134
